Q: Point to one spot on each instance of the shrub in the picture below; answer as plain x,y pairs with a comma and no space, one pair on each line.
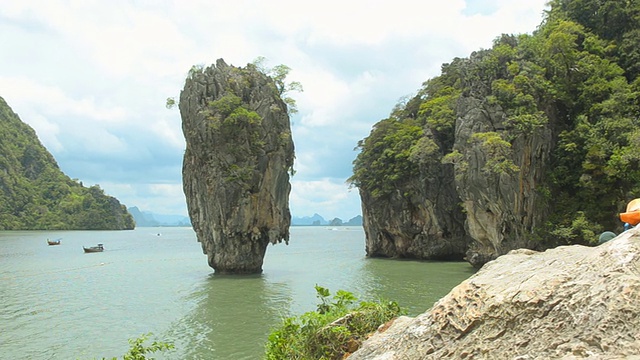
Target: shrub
139,351
338,326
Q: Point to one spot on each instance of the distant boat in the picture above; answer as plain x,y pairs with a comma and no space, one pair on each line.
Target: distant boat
93,249
53,242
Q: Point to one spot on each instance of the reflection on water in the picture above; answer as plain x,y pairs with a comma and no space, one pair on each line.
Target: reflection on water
59,303
233,316
415,285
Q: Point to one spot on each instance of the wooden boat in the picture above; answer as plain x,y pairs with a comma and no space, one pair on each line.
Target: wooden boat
93,249
53,242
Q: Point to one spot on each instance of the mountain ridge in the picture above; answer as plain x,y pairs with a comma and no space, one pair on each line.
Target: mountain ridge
35,194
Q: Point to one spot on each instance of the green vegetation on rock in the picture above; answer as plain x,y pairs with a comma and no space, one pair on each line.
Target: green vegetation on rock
279,75
36,195
385,161
575,77
139,350
338,327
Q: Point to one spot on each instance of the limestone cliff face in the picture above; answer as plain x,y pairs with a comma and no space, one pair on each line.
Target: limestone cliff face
566,303
478,206
502,210
421,220
236,164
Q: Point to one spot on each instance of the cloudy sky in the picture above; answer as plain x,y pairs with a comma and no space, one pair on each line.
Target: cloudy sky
92,77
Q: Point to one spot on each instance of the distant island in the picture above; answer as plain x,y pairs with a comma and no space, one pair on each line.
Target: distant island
151,219
317,220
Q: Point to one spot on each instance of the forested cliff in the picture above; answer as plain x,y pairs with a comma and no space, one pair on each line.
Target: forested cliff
36,195
531,143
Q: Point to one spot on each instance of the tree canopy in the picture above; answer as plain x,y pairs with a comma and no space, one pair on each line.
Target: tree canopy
279,75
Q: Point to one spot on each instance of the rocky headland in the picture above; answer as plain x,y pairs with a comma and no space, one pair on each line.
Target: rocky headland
531,143
236,165
570,302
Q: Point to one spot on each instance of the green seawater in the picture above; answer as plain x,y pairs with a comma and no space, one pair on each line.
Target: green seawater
56,302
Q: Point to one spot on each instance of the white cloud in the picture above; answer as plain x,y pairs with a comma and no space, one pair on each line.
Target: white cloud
52,113
166,129
358,22
327,197
159,198
52,100
323,98
92,77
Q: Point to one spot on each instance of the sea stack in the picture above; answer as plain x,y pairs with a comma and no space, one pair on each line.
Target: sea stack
239,154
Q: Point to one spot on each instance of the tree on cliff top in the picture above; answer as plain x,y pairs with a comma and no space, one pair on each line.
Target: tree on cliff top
278,74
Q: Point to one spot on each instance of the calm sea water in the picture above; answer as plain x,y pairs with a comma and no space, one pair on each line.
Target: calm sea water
56,302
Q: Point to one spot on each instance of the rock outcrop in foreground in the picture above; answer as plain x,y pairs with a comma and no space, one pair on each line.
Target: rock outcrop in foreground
570,302
236,164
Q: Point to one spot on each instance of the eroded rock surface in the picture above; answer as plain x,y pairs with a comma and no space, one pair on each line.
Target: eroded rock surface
502,210
427,224
571,302
451,210
236,165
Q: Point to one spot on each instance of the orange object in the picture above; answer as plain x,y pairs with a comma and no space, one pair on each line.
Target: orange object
632,216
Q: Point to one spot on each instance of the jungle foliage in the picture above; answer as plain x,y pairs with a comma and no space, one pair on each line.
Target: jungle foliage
336,328
576,74
279,75
36,195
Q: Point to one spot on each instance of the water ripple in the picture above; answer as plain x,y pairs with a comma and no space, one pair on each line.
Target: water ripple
59,303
